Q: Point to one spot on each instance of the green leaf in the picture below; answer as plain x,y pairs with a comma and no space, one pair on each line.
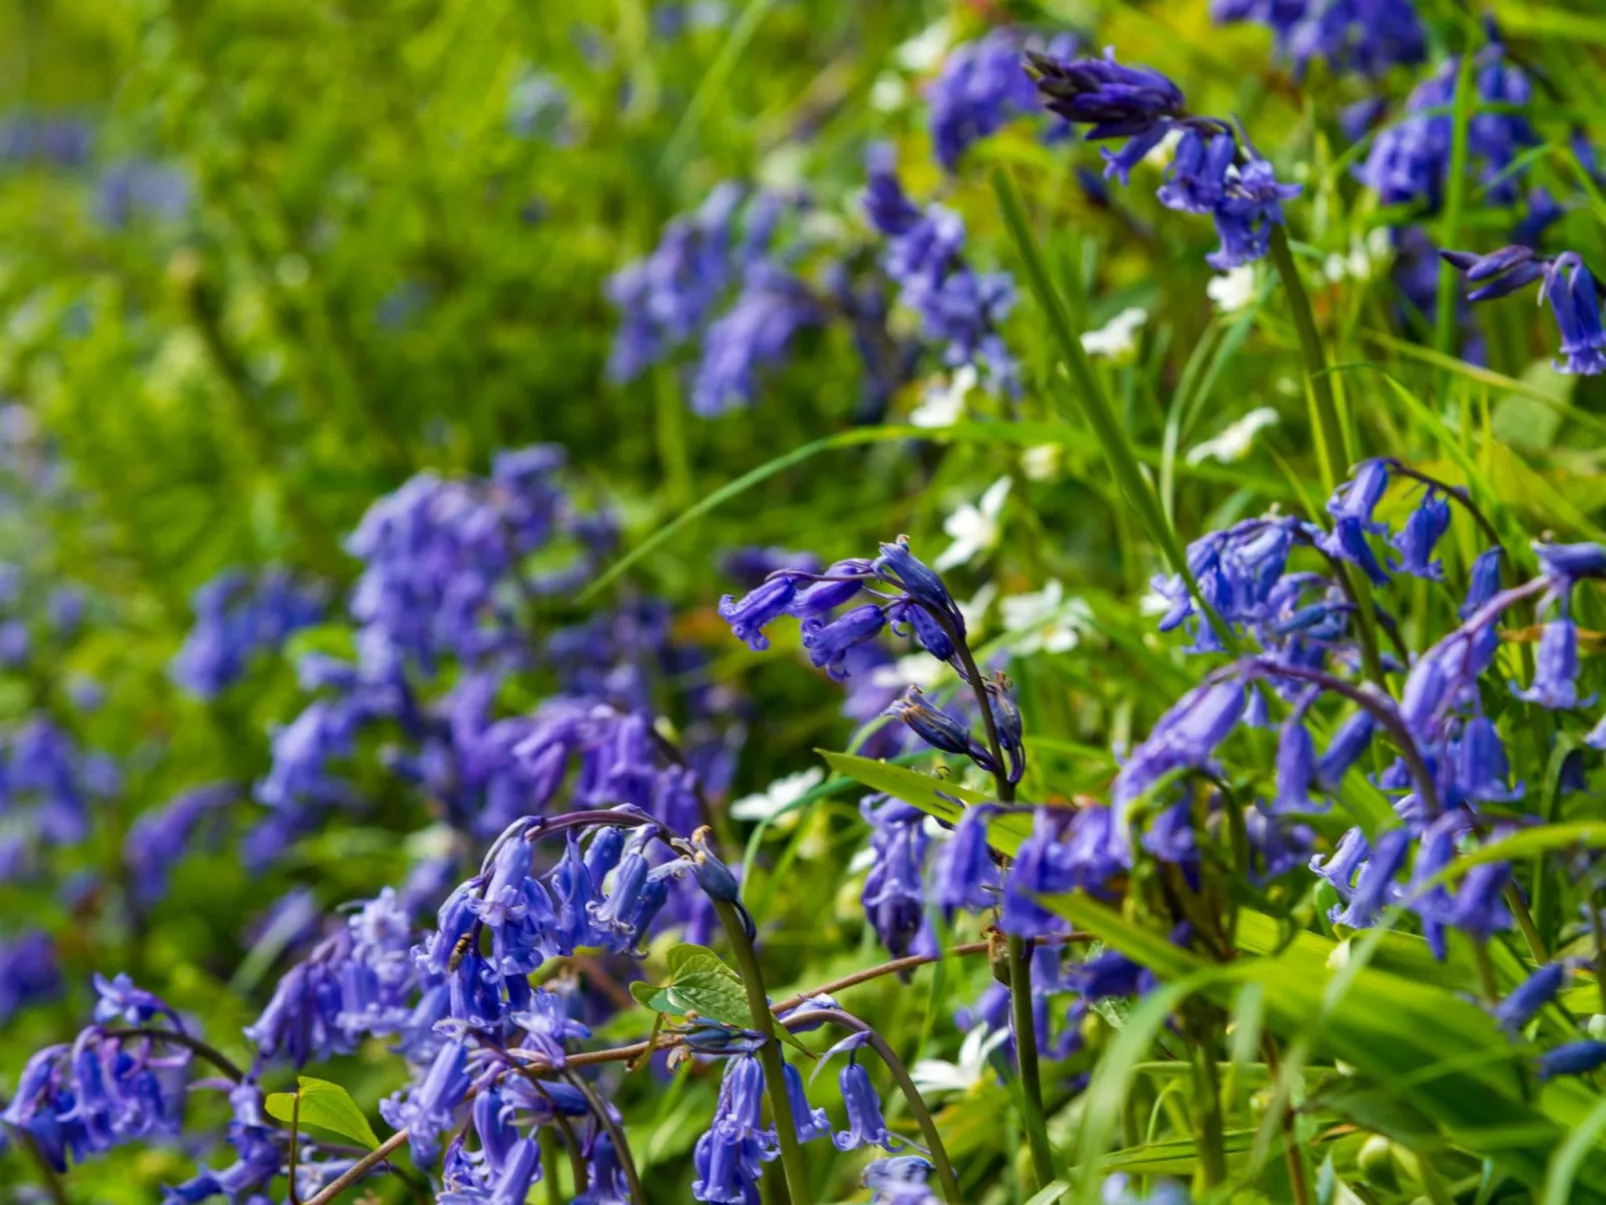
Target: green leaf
325,1105
1049,1193
1004,832
700,982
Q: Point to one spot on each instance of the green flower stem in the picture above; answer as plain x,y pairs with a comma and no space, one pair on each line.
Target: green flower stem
1020,1011
621,1145
906,1085
1330,440
1034,1116
1088,390
797,1179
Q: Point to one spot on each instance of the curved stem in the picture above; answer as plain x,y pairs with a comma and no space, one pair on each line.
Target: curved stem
359,1169
207,1051
906,1085
770,1053
621,1146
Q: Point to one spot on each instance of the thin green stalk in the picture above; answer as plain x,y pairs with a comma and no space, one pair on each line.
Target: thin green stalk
1094,403
1020,1009
1598,938
1487,982
621,1145
1329,428
906,1085
1209,1134
1035,1117
797,1179
1455,191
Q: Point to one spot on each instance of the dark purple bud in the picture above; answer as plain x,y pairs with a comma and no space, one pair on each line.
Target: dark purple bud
1528,997
828,644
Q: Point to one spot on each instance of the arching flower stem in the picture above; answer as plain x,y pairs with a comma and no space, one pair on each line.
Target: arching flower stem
906,1085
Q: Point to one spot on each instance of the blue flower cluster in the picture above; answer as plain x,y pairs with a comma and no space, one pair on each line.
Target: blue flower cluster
237,617
1450,754
1566,285
984,85
1409,161
670,297
1363,36
1214,170
959,308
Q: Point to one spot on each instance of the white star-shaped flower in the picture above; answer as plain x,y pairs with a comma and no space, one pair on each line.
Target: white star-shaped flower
973,529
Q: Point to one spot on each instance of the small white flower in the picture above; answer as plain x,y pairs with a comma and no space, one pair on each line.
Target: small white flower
917,669
1041,462
1118,336
780,794
888,94
973,529
943,403
1045,622
939,1075
927,48
1234,290
1364,259
1234,443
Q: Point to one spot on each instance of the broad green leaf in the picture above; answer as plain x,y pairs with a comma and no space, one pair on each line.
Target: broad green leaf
700,982
325,1105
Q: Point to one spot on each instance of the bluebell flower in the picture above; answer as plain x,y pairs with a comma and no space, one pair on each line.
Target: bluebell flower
303,1018
749,616
158,839
1484,581
1196,179
1116,101
1409,161
1296,766
547,1026
982,85
866,1127
900,1180
259,1154
1252,205
1555,683
428,1107
965,875
238,616
664,298
756,331
1566,564
810,1123
959,308
894,891
1363,36
1482,770
121,999
1420,535
1523,1002
1572,1058
1068,850
828,644
1185,737
729,1157
1108,975
1353,738
1566,284
1375,886
29,973
939,729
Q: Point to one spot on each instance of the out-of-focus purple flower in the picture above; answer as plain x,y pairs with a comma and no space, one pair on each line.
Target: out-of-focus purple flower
894,892
236,617
982,85
1409,161
1555,683
1185,737
159,838
1566,284
1525,1000
756,331
1363,36
1572,1058
28,972
900,1180
959,308
137,189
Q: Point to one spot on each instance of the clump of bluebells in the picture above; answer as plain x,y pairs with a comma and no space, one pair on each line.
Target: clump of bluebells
1215,171
1366,37
1566,285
